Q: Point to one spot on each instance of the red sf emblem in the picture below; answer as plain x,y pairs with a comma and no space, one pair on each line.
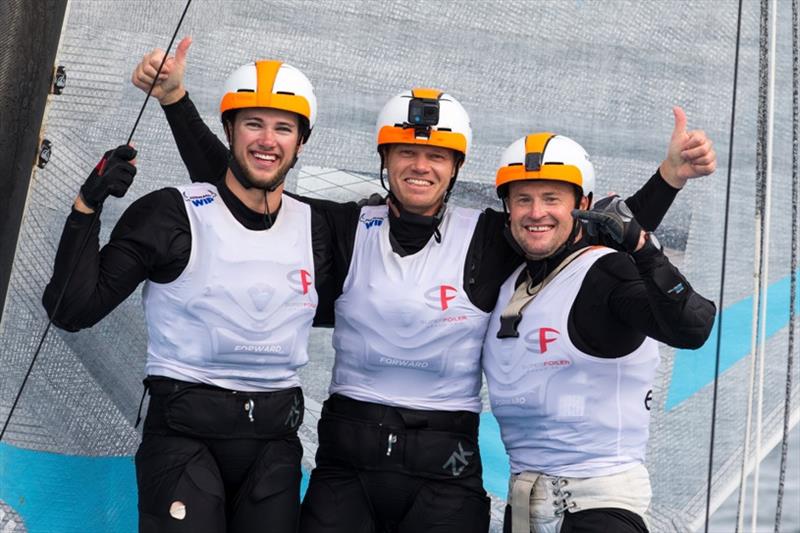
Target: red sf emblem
441,295
544,339
538,339
305,280
303,277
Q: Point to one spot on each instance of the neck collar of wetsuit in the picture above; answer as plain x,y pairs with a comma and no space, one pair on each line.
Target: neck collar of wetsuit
540,268
252,220
412,231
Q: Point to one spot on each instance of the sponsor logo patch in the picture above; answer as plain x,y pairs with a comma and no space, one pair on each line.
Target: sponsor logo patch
300,281
439,296
199,200
371,222
538,339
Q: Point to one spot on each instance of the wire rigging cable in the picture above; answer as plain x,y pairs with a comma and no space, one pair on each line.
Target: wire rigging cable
724,259
89,232
787,406
761,255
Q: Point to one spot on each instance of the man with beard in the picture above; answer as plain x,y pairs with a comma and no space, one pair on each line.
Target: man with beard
229,299
417,280
570,354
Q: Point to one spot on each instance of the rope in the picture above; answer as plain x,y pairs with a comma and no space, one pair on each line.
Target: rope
95,218
724,262
758,255
793,271
164,60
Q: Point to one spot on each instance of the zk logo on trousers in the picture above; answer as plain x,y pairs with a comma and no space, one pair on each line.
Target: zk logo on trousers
293,419
458,461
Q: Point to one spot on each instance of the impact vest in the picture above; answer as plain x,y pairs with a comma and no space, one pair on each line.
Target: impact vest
238,316
406,333
563,412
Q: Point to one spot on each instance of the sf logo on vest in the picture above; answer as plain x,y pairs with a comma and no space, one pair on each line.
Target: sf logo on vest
538,339
439,296
300,281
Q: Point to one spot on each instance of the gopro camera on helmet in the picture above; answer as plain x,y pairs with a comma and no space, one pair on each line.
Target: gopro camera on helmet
533,161
423,112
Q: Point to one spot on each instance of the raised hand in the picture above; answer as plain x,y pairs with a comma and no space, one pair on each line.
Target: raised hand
690,154
169,87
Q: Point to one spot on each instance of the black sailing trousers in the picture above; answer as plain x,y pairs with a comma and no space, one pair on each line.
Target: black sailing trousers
218,461
388,469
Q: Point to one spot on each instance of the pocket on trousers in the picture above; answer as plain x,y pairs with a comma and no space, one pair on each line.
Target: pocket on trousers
345,441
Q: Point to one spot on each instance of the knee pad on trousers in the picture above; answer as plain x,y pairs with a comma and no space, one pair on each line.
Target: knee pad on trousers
269,498
180,487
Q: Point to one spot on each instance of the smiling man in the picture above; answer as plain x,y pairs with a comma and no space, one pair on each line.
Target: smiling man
570,354
228,302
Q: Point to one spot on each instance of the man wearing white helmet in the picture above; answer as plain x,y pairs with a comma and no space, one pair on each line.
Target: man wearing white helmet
570,353
416,281
232,285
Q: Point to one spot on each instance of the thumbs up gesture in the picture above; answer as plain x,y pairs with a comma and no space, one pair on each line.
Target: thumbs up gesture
690,154
169,87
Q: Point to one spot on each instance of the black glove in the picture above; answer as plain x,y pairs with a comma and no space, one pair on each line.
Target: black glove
112,176
611,217
372,199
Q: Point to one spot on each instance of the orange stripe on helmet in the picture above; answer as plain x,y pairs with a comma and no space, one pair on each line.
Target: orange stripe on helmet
536,143
443,139
422,92
549,171
266,73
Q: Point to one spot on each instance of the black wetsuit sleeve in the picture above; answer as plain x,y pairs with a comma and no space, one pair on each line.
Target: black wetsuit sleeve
152,240
622,300
651,203
490,260
333,234
205,156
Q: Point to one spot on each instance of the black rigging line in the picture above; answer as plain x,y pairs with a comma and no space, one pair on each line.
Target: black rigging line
92,224
724,258
787,405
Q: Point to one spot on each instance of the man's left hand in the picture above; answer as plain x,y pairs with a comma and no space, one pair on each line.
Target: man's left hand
690,154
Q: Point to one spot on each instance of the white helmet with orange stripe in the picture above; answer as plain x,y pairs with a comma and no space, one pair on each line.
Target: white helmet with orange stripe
425,116
545,156
271,84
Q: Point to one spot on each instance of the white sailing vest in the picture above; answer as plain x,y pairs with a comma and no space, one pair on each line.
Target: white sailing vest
238,316
406,333
563,412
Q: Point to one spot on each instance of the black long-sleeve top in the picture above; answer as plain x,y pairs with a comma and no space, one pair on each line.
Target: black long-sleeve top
152,241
